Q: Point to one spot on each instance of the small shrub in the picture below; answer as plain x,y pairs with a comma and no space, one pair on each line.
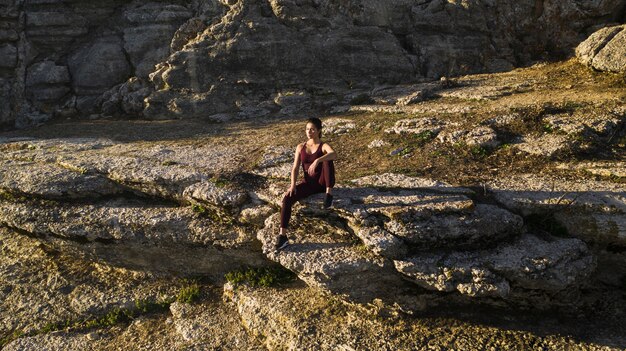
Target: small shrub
265,277
189,293
199,209
548,128
425,136
479,151
220,182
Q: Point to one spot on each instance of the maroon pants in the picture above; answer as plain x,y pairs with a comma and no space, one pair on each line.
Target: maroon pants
307,188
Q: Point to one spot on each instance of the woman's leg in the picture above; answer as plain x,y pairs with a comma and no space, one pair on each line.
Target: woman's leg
328,180
302,190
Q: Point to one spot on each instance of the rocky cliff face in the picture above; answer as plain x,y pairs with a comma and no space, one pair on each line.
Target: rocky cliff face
180,59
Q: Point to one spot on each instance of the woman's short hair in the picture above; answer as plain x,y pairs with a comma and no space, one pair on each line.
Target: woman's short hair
317,123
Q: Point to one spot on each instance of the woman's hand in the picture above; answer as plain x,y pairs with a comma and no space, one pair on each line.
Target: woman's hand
312,168
291,191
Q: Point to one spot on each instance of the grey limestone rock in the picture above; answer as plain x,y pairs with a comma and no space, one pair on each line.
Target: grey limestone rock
144,37
99,66
123,221
396,180
40,285
47,81
52,342
587,124
547,145
126,98
605,50
8,56
54,29
417,126
337,126
590,210
275,162
480,136
330,261
51,181
527,263
218,195
376,143
485,223
211,326
148,176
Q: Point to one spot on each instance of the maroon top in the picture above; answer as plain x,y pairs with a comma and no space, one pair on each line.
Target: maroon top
324,172
307,160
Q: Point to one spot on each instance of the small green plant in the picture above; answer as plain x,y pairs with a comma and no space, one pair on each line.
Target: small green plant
425,136
199,209
219,182
168,163
480,151
265,277
189,293
547,128
113,317
12,197
9,338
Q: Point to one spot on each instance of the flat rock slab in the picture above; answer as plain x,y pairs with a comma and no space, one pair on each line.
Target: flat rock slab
157,170
548,145
472,91
214,193
120,221
389,220
39,285
480,136
52,181
594,211
338,126
529,263
586,123
485,223
408,211
156,179
396,180
52,342
417,126
211,325
330,261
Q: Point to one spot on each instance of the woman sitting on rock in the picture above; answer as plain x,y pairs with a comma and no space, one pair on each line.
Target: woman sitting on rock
319,175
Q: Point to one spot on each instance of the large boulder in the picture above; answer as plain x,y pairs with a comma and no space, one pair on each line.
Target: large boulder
97,67
605,50
144,37
47,82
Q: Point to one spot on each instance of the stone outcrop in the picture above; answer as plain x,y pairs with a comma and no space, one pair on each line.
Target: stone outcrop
605,50
89,194
206,57
593,215
429,232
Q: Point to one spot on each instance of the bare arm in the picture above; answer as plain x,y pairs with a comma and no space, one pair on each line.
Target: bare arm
329,155
295,169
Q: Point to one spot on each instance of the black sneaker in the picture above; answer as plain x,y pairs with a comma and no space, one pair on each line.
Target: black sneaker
281,242
328,201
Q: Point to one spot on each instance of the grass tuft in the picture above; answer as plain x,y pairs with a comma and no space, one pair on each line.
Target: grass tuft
260,277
